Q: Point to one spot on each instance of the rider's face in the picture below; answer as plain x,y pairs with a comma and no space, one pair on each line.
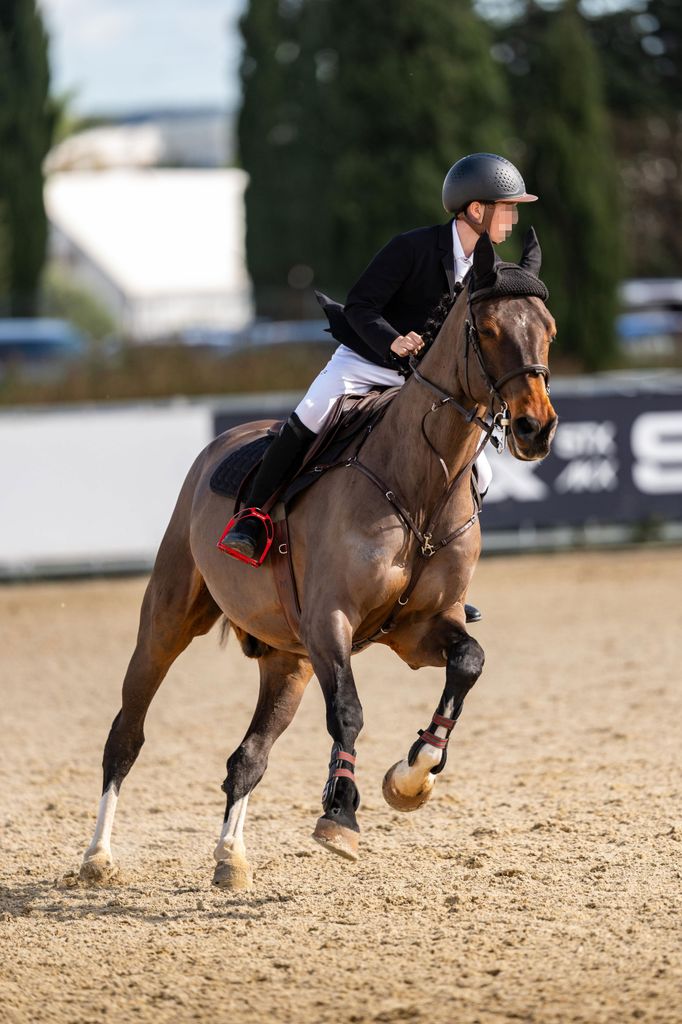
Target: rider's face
505,216
502,223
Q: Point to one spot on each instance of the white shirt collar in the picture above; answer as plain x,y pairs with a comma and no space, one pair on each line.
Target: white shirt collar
462,262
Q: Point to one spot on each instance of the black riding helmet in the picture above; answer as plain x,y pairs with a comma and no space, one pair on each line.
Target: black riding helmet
486,178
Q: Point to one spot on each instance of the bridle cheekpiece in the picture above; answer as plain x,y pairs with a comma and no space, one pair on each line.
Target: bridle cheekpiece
493,419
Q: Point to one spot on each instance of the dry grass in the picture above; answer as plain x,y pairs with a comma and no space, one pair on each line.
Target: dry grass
164,371
138,372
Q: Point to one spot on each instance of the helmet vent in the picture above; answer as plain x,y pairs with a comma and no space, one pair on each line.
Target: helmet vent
505,180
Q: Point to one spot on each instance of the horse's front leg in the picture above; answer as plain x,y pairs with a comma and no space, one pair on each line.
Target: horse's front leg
409,783
337,829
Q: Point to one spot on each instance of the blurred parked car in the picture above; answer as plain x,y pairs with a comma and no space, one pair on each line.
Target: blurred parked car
284,332
650,321
39,348
652,293
253,335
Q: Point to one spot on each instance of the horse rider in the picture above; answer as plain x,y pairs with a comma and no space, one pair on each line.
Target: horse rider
387,308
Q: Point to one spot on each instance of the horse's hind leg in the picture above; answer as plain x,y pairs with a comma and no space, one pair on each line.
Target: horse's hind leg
409,783
283,679
176,607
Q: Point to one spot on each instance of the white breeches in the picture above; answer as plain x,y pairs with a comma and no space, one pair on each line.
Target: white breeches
347,373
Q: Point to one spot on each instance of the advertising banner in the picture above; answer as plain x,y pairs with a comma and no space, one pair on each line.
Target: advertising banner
92,488
616,457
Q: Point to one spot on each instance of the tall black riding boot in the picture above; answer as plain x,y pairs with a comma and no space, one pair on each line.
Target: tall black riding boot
281,460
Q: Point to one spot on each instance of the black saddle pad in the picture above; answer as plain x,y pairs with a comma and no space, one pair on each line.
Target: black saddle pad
228,476
234,469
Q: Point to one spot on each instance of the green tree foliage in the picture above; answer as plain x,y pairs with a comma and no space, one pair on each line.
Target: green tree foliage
25,133
273,74
563,120
413,91
641,56
640,49
350,118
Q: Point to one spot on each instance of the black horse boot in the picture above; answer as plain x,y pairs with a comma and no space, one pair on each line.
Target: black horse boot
282,458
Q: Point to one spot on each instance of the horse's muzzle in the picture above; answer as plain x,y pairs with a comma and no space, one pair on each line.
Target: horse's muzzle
530,439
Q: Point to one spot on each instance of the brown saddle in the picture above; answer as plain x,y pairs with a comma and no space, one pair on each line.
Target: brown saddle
351,419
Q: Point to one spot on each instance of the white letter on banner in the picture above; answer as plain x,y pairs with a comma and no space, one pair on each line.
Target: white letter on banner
656,440
516,480
584,439
587,475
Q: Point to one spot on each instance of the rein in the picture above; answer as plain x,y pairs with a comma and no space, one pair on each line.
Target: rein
487,423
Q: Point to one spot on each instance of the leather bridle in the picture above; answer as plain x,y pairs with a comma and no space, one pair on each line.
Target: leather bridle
491,419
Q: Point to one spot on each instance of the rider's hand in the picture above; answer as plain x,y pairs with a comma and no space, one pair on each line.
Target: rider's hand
408,344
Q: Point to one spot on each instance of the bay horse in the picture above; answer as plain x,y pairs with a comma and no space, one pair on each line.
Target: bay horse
362,541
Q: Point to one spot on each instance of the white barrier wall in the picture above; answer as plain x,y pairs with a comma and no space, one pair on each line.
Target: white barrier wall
93,487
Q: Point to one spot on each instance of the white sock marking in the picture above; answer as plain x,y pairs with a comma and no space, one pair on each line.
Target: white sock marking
101,841
231,840
409,779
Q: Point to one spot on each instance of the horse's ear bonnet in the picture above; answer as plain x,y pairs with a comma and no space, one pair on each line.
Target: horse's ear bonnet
492,278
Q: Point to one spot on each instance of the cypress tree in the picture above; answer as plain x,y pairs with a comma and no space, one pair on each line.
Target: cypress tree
351,116
277,147
570,163
5,274
416,89
641,56
25,135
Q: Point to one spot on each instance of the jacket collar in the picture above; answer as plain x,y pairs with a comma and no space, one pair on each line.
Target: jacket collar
447,255
445,236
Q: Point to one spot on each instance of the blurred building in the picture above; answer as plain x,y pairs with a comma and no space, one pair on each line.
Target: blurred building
162,249
169,138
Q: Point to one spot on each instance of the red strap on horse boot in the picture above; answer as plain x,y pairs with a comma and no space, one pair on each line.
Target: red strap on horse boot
430,737
337,770
440,742
255,514
344,773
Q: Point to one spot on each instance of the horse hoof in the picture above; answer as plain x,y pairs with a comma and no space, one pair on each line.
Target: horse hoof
234,874
400,801
337,838
98,869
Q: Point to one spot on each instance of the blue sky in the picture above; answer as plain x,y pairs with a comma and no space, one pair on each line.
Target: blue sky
132,54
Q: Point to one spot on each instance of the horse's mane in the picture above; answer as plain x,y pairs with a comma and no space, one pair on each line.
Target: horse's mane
437,317
498,279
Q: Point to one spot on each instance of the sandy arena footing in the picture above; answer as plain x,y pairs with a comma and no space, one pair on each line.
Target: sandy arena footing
541,883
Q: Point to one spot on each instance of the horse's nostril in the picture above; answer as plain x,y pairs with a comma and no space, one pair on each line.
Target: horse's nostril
526,426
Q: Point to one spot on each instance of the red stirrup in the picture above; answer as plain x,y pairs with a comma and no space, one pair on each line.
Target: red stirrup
249,513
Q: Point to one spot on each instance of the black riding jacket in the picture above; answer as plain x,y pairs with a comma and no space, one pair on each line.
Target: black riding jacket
395,294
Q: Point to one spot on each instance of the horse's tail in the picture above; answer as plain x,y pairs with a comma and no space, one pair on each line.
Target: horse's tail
225,627
251,646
